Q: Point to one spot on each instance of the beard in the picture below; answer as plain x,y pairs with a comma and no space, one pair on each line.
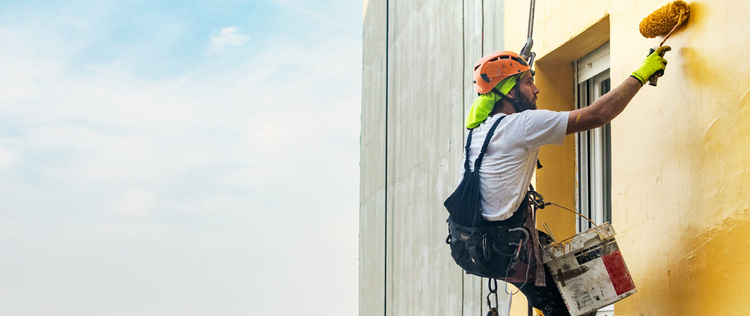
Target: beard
525,103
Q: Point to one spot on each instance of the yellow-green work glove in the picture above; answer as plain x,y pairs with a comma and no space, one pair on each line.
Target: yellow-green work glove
654,64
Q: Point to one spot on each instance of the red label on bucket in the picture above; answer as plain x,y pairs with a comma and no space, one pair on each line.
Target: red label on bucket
618,272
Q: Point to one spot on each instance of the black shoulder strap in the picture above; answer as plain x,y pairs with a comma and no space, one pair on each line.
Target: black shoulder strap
478,161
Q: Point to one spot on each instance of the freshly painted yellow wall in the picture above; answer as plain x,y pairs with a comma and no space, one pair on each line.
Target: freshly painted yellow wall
681,151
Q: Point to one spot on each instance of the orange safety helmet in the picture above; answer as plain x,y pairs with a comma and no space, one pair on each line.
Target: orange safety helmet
495,67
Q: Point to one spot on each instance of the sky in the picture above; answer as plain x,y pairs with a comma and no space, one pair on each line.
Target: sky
179,157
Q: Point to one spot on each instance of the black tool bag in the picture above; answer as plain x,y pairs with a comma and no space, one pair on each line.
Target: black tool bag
477,245
464,205
490,251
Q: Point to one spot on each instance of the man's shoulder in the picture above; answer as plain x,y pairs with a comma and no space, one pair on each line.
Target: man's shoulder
541,113
533,117
538,127
527,119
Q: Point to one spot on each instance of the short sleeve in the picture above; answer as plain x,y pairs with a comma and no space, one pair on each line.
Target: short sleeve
542,127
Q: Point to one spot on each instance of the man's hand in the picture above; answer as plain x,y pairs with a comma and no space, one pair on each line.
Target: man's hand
654,64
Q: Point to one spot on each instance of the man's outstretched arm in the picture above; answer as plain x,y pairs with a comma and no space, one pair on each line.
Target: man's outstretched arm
608,106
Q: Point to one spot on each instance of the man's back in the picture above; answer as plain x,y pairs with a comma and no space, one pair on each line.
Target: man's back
511,156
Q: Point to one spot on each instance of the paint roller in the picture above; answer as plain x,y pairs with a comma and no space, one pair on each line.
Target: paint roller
663,22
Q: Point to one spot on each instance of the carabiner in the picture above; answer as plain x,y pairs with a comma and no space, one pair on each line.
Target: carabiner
523,240
492,311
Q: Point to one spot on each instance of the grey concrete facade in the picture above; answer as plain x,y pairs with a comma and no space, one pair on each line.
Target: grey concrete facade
417,86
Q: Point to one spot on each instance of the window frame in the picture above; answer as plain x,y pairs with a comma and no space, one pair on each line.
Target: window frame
593,147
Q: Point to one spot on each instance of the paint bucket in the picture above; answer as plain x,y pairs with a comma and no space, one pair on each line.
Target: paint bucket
589,270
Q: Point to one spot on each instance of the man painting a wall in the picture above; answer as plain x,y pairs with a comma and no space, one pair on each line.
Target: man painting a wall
497,238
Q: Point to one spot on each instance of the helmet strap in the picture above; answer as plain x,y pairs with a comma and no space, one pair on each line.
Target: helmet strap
515,101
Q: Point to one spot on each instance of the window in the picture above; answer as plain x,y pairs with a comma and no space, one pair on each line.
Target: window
593,147
594,151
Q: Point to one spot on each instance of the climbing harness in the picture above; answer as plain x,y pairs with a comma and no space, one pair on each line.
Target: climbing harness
483,248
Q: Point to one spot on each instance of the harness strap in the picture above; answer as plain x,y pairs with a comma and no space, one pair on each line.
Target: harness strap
478,161
535,250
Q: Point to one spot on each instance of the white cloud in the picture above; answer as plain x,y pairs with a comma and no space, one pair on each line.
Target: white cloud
7,158
228,37
135,203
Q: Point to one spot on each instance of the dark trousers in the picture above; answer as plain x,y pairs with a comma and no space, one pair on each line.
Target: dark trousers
546,299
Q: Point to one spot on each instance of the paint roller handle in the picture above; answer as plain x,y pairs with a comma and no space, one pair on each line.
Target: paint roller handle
651,65
655,77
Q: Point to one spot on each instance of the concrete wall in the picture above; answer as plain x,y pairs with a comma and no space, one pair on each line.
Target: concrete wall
681,151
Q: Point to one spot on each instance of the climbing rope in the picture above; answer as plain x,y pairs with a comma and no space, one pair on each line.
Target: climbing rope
531,19
565,208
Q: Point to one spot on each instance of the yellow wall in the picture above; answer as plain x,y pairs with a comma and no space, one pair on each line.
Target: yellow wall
681,151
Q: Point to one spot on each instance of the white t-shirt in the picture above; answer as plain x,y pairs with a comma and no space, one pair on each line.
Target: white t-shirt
510,160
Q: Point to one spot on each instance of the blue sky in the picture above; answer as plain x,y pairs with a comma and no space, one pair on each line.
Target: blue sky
179,157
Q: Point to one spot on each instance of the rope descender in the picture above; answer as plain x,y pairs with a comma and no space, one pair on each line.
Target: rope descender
526,52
